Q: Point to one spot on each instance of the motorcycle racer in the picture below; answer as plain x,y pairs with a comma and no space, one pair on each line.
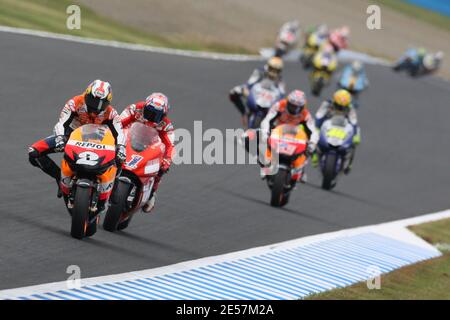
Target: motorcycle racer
287,38
272,70
91,107
432,61
338,38
291,110
341,104
354,79
314,38
153,112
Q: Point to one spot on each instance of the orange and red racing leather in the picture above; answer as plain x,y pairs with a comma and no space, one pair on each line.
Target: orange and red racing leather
75,114
278,114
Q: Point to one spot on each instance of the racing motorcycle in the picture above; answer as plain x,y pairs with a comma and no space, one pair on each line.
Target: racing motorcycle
260,97
352,83
287,146
410,62
334,149
324,65
287,39
89,158
132,189
309,50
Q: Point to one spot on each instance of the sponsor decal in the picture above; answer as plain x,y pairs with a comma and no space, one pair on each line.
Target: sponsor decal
90,145
152,166
134,161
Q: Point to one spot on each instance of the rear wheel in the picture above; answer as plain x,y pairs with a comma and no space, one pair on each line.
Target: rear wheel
329,173
317,87
118,205
278,198
92,228
124,224
80,212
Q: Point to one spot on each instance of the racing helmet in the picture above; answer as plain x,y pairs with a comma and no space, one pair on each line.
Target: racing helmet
439,55
322,30
296,102
421,52
274,67
357,66
156,107
98,96
342,100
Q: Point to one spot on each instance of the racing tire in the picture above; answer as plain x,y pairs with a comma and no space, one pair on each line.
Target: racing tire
278,196
124,224
329,173
112,217
317,87
91,229
80,212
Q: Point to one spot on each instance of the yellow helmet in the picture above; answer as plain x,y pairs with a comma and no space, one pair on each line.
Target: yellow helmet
342,100
274,67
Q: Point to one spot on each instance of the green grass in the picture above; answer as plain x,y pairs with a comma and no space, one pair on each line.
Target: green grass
51,16
419,13
426,280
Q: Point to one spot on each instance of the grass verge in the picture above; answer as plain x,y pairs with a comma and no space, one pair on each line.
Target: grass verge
426,280
51,16
419,13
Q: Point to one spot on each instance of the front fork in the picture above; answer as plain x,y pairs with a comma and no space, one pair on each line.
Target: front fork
94,204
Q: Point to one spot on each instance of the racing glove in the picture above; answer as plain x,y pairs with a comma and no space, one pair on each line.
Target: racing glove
356,139
165,165
121,154
60,143
311,148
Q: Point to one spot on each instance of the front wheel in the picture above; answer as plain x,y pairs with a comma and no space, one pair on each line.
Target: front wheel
317,86
80,212
118,206
279,198
329,172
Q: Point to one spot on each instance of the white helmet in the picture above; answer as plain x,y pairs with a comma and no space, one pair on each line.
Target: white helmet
357,66
439,55
98,96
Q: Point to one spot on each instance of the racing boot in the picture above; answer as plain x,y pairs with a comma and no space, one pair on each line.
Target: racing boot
150,204
304,177
315,160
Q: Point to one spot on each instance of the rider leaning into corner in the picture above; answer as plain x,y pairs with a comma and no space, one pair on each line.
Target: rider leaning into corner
292,110
341,104
272,70
153,112
91,107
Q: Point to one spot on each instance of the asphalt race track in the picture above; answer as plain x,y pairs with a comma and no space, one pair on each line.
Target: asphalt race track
401,169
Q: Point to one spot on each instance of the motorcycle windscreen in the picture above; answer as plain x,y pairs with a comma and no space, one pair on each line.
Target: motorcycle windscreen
289,139
264,94
142,136
337,131
92,147
94,133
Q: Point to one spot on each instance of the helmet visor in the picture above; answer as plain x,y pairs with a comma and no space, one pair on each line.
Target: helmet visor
95,104
153,115
340,107
273,72
294,109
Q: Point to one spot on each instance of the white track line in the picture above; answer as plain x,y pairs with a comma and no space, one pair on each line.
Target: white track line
130,46
265,52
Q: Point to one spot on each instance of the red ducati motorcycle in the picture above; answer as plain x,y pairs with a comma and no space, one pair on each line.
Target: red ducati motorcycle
132,189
